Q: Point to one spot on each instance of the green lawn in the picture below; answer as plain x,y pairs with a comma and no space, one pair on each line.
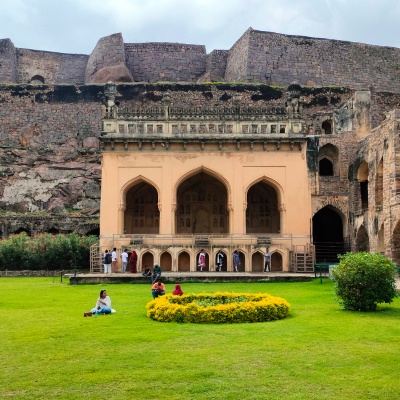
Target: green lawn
50,351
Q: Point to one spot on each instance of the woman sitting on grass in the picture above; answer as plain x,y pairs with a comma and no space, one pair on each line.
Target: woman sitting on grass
103,305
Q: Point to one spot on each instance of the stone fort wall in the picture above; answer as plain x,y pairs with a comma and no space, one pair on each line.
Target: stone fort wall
48,67
174,62
280,59
256,56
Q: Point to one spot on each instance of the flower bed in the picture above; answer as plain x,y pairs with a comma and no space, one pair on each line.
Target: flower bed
218,308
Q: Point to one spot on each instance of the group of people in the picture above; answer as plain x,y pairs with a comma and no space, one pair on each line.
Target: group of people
131,258
103,303
110,261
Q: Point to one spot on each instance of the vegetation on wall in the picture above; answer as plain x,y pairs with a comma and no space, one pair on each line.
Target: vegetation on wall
46,252
363,280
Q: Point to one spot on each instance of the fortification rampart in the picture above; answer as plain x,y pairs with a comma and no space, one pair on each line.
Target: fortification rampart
8,61
47,67
154,62
108,52
280,59
257,56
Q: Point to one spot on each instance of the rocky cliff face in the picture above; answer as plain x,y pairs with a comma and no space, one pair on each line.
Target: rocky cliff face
49,157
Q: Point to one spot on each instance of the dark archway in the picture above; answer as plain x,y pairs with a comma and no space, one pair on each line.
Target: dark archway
141,212
327,127
276,261
262,214
184,261
147,259
166,261
325,167
202,206
257,262
37,79
328,235
53,231
207,266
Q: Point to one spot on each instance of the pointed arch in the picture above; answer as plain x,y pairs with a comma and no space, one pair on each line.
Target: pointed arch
140,205
166,261
202,203
257,261
183,261
328,242
147,258
276,261
133,182
208,171
263,206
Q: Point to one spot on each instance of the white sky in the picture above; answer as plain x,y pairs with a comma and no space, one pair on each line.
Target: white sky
75,26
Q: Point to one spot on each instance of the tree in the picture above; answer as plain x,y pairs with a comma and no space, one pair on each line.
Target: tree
362,280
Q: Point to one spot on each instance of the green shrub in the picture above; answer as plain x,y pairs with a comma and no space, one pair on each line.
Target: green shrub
218,308
45,252
362,280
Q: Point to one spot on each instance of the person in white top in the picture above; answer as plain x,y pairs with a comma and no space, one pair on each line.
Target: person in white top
103,305
124,258
114,260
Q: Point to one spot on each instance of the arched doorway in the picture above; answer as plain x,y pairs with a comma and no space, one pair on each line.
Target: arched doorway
147,259
328,234
325,167
141,212
328,160
184,261
202,206
166,261
276,261
53,231
262,214
242,260
207,266
362,239
257,262
224,264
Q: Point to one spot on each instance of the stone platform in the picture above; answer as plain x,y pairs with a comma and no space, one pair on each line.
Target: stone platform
179,277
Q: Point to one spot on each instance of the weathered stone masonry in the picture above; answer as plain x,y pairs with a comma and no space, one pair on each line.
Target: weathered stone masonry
52,109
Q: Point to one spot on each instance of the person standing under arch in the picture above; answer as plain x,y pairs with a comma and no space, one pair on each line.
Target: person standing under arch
236,260
202,260
133,262
267,265
220,260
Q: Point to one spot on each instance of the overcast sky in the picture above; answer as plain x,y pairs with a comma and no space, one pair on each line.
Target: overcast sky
75,26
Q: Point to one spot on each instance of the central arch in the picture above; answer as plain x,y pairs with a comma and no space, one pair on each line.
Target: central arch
202,205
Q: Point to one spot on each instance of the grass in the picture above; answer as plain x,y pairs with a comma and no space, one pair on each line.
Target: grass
49,351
